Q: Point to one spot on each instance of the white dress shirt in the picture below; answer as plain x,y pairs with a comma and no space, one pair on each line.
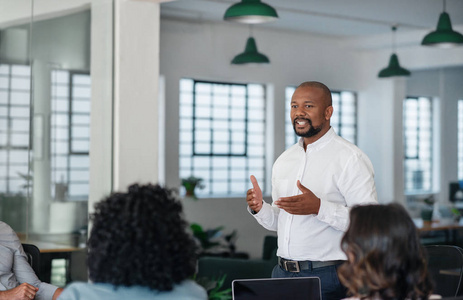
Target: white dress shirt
338,173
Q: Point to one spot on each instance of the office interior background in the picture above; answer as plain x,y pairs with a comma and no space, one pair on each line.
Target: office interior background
96,95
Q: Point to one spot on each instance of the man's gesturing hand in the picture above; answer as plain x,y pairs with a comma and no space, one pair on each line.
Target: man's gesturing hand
305,204
254,196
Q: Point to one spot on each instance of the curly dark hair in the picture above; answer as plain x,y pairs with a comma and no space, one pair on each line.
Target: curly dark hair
386,259
140,238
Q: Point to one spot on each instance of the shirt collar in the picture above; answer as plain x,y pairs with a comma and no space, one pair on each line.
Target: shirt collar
321,142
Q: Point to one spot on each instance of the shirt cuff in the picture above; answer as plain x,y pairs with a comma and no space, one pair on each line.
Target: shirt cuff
334,214
327,209
46,291
264,213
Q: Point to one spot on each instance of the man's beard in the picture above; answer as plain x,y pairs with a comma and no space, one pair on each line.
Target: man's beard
312,131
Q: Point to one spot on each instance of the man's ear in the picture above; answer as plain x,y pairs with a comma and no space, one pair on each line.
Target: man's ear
328,112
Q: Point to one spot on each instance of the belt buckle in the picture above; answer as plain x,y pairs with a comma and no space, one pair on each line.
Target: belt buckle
292,266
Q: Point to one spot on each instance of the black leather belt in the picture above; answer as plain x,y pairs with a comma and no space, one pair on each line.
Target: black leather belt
297,266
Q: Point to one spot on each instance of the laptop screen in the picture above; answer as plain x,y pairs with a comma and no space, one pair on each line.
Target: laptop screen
297,288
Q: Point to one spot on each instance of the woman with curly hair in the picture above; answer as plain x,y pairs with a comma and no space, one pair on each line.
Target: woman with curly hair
385,257
139,249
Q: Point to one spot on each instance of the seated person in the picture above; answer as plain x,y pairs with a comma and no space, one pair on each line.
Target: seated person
139,249
18,280
385,257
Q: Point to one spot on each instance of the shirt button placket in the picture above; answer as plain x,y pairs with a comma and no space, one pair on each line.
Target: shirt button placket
296,191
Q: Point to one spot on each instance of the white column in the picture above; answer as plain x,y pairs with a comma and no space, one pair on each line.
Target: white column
101,128
125,75
399,94
136,66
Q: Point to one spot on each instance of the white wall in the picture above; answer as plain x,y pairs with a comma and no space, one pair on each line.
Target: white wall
204,50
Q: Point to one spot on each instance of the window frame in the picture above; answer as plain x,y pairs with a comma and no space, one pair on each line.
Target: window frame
9,147
228,157
415,177
69,114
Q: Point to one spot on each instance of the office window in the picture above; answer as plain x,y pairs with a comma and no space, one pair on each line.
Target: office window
417,113
222,135
343,120
460,139
70,135
14,127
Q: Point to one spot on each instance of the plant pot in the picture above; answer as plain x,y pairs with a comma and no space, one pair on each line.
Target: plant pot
191,194
426,214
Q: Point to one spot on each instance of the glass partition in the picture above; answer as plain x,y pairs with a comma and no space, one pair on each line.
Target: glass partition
45,96
15,114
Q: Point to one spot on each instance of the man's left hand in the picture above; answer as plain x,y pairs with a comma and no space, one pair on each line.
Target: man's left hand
304,204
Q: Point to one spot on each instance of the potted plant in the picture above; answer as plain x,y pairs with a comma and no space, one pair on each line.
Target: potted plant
214,287
456,214
427,209
215,243
190,184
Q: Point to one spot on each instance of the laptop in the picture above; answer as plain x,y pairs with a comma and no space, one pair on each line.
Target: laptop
296,288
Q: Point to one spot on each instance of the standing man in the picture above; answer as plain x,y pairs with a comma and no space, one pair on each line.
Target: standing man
314,184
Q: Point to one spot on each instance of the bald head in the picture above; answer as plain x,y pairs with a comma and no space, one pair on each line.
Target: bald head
321,86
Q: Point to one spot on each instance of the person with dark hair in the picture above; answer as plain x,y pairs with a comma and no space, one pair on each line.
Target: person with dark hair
385,257
18,280
314,184
139,248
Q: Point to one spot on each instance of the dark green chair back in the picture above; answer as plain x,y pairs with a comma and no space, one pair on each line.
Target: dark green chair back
33,257
445,265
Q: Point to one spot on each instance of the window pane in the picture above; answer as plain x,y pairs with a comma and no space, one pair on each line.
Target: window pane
222,126
417,132
70,131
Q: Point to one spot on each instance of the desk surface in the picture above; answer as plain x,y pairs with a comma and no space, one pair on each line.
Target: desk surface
437,225
50,247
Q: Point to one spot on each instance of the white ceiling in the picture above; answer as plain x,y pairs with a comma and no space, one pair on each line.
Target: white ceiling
347,18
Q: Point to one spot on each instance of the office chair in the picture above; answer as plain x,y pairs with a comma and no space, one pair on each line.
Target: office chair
445,265
33,257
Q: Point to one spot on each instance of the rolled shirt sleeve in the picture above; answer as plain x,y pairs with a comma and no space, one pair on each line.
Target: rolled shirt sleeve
267,216
14,268
357,185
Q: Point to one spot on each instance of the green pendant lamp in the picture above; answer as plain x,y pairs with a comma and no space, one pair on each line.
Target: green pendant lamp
393,69
250,12
444,36
250,55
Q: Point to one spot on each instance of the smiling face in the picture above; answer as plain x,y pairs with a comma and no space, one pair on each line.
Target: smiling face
311,112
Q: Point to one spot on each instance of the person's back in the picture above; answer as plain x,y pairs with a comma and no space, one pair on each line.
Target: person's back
139,249
187,290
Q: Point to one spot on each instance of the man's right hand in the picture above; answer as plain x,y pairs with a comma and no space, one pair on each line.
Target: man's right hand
24,291
254,196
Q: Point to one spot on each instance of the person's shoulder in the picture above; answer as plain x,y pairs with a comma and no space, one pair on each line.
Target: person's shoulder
87,291
8,236
5,228
346,149
73,291
289,153
345,144
192,289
